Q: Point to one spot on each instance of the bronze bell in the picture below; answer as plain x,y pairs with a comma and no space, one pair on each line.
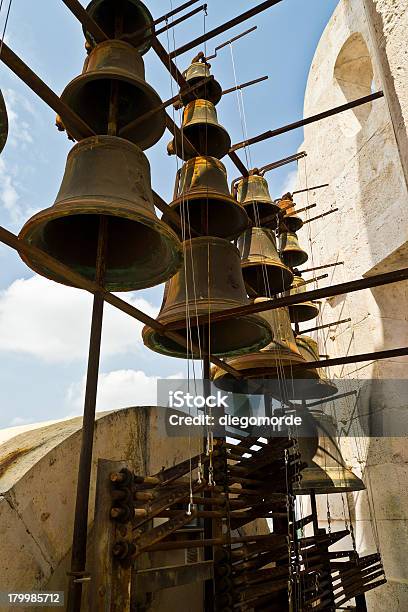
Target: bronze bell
326,472
136,21
305,311
106,175
292,221
272,364
263,271
201,128
202,198
313,383
211,91
253,194
89,94
291,252
3,123
210,281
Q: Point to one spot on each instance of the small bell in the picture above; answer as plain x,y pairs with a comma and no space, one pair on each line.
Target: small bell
305,311
263,271
313,383
210,281
326,472
89,94
196,72
292,221
253,194
3,123
291,252
201,128
269,366
106,175
136,20
202,198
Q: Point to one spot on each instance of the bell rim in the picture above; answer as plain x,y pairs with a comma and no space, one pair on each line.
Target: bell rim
214,90
4,124
151,29
230,204
309,388
293,223
261,260
98,75
65,209
307,310
183,154
152,339
254,202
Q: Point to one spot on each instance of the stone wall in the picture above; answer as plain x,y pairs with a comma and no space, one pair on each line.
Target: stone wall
363,155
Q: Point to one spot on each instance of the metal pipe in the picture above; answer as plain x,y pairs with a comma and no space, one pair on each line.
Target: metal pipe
175,11
224,27
244,85
310,189
86,20
229,42
373,356
332,265
331,399
43,91
325,214
376,280
282,162
308,120
312,329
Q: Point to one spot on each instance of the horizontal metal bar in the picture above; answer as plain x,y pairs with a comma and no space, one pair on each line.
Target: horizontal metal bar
315,279
282,162
43,91
297,212
373,356
175,11
332,265
86,20
331,399
369,282
224,27
312,329
325,214
245,85
81,282
176,22
308,120
310,189
229,42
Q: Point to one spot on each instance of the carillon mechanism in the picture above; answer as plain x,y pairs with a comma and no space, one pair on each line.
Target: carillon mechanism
3,123
291,252
198,71
210,281
115,62
292,221
203,201
253,193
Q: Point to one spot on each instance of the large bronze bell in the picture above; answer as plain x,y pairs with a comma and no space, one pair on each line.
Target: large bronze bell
271,365
326,472
291,252
201,128
211,91
253,193
3,123
263,271
313,383
136,21
202,199
89,94
305,311
210,281
292,221
106,175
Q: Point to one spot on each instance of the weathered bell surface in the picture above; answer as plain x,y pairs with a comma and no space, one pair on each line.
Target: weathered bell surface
326,471
272,365
203,199
211,91
136,21
292,221
291,252
107,176
305,311
3,123
253,194
89,94
263,271
210,281
201,128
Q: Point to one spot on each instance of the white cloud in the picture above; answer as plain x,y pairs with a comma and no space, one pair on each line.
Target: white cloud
290,182
9,196
117,389
52,322
19,129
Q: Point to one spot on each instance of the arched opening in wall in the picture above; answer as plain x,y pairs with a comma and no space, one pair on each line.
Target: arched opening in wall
353,73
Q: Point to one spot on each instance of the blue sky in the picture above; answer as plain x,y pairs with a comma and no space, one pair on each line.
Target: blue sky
44,327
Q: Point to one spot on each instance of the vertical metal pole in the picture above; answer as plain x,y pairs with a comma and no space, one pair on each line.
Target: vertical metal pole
361,603
78,556
314,513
